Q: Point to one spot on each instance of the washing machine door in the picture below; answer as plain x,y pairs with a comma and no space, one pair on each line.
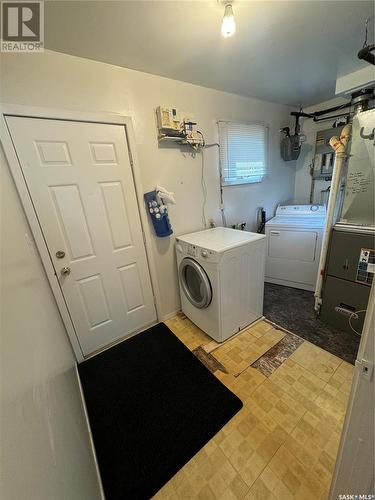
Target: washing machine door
194,283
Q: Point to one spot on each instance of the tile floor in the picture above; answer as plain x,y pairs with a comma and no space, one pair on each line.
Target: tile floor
284,441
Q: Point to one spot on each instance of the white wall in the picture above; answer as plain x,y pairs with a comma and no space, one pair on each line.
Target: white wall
44,446
62,81
303,178
45,442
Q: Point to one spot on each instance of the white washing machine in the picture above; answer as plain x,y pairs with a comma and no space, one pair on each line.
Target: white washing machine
294,241
221,277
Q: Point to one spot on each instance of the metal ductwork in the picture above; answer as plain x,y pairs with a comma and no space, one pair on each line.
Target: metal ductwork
361,100
366,54
366,51
291,144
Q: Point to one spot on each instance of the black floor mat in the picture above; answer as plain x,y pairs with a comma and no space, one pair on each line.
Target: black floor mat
152,405
293,309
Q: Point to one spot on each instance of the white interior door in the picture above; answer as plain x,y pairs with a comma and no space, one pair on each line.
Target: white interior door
80,180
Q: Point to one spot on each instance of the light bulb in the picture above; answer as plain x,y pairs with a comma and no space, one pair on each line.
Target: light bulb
228,26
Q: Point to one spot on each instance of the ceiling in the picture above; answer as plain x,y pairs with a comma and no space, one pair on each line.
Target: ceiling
283,51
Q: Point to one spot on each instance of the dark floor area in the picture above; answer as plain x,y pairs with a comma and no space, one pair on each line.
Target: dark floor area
293,309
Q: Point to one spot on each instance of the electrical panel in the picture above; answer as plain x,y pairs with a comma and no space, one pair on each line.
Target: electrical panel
177,126
324,157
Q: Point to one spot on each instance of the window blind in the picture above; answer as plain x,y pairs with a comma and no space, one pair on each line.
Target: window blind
243,152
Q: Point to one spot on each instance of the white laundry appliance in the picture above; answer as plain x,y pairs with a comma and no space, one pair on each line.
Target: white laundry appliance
294,240
221,277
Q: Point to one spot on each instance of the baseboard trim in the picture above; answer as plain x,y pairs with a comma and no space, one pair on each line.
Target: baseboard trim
100,484
170,315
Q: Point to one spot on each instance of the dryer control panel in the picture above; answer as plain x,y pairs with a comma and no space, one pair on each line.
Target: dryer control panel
302,210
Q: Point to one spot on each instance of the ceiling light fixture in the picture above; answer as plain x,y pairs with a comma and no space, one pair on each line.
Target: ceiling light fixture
228,26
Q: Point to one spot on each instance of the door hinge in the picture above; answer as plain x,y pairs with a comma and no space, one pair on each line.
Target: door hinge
144,238
130,157
366,368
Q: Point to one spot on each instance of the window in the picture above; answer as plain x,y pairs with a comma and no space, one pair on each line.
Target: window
243,152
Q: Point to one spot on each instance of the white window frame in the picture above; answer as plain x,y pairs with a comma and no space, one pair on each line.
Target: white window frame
256,180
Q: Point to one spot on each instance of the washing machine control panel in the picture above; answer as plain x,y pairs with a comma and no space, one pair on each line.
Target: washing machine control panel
192,250
195,252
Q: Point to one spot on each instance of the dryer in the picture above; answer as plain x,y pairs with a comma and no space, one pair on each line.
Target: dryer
221,278
294,241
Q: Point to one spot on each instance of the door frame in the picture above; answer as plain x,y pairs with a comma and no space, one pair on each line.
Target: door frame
353,430
28,207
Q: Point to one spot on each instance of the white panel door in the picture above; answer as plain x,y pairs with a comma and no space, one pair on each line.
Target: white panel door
80,180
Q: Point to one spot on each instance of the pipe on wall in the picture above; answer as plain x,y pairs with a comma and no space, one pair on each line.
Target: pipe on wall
339,144
331,117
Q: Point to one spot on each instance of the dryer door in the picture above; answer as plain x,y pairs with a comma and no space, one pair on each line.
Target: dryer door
293,244
195,283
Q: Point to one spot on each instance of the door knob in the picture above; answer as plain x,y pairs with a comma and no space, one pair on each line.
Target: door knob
65,271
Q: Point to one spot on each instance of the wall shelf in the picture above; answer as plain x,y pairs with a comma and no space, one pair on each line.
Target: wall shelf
174,138
183,141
